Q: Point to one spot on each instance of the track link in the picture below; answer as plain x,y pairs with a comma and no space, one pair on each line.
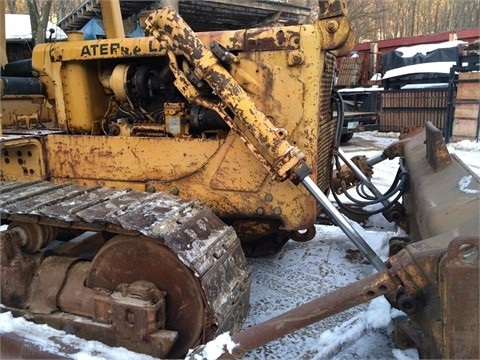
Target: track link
203,243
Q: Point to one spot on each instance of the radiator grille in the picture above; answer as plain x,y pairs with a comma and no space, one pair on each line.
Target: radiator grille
326,125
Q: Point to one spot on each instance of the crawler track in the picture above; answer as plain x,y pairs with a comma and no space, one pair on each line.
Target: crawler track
205,246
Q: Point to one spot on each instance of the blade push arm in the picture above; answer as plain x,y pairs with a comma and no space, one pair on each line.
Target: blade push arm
435,261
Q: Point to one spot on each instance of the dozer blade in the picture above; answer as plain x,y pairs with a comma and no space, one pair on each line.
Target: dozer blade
443,201
444,193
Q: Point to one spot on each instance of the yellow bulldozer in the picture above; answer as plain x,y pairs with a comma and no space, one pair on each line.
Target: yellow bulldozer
137,173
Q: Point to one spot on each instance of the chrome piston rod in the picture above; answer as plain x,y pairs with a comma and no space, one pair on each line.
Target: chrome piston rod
343,224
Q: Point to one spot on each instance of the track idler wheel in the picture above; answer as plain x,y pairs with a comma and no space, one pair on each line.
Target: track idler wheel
34,236
127,260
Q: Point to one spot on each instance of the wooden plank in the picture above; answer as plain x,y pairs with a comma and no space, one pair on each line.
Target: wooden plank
350,71
468,86
466,128
467,111
467,107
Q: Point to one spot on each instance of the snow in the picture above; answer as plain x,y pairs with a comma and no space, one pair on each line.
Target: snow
464,185
215,348
361,89
468,152
440,67
409,354
56,341
377,316
409,51
300,273
425,86
17,26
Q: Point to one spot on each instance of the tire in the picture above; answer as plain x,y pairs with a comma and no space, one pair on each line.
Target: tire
346,137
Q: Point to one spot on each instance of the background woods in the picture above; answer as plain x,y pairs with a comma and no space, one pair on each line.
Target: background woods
387,19
371,19
41,11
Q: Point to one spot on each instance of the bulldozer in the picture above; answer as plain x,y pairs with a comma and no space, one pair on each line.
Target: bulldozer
138,173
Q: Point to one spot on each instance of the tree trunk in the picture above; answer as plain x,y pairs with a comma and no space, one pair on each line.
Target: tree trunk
39,19
12,6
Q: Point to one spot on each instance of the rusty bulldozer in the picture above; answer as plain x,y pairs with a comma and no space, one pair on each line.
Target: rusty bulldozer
138,172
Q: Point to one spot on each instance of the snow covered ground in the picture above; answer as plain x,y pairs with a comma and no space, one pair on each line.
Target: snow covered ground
298,274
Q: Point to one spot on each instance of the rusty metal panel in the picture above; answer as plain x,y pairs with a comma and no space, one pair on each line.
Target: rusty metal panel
231,163
22,111
443,200
272,39
461,315
395,120
49,279
127,158
22,159
326,124
13,346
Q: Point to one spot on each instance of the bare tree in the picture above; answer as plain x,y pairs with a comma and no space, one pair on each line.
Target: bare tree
364,16
61,8
402,18
11,6
39,13
370,19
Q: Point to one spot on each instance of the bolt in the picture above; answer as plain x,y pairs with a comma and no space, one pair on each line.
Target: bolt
113,130
277,211
295,58
130,318
150,188
175,191
268,197
332,26
16,261
395,215
260,211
